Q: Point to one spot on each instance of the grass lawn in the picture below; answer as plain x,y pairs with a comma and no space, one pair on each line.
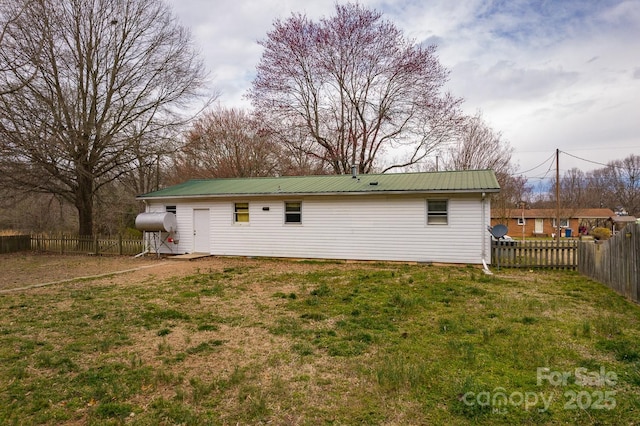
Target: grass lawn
246,341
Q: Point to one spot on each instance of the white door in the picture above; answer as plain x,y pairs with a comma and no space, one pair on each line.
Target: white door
201,243
539,227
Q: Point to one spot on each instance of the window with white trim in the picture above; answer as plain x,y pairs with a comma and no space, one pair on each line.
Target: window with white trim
241,213
521,221
437,212
171,209
293,212
564,223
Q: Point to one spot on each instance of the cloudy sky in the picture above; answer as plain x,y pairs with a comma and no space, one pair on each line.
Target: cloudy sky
546,73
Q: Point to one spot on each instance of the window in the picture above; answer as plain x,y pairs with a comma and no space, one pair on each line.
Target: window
293,212
241,213
437,212
521,221
564,223
170,209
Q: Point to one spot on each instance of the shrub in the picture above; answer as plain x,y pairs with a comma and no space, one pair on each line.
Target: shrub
132,233
601,233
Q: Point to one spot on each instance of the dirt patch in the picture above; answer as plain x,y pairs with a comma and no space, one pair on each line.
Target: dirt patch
23,270
27,269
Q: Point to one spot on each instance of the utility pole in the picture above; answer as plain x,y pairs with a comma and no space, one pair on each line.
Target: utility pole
523,223
558,196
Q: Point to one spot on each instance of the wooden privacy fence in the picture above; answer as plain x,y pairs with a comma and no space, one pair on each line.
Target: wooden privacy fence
615,262
535,254
14,243
84,245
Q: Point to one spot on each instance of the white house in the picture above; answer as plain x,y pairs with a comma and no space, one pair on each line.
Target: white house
423,217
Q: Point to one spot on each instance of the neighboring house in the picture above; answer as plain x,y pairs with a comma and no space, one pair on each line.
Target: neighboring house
423,217
542,222
618,222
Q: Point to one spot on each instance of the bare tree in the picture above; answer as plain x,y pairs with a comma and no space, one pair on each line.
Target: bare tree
296,158
30,212
514,193
10,13
150,169
103,82
616,186
619,184
356,87
226,143
573,190
478,146
573,187
600,188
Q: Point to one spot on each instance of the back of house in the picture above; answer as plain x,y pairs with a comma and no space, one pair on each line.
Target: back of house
422,217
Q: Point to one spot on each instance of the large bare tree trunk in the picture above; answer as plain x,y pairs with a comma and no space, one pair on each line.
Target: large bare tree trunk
84,204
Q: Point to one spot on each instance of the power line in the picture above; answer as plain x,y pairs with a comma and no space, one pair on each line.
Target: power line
543,177
584,159
550,166
615,166
539,165
604,148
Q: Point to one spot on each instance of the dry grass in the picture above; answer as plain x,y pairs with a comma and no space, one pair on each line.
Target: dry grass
256,341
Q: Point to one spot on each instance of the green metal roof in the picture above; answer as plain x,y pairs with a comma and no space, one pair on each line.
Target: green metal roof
456,181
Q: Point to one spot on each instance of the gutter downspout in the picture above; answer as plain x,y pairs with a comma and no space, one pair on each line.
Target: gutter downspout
485,268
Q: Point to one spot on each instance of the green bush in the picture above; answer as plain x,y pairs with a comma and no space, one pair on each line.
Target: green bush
131,233
600,233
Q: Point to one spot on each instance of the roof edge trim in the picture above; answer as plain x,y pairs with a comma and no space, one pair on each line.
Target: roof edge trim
307,194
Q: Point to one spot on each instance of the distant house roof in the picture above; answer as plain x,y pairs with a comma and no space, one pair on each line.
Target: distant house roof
551,213
623,219
432,182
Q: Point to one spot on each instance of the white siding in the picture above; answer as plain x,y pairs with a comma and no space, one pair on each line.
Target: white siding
363,227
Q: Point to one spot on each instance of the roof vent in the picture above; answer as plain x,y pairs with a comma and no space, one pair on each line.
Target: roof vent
354,171
373,183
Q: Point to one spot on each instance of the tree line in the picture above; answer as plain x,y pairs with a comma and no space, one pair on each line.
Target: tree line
615,186
95,94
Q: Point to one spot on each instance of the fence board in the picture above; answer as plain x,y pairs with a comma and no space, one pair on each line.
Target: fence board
86,245
615,262
14,243
535,254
